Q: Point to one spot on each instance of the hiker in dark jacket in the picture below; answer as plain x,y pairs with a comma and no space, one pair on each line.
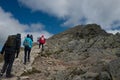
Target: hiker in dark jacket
10,47
31,37
27,48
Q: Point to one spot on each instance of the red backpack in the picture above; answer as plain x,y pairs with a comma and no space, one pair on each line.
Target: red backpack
42,40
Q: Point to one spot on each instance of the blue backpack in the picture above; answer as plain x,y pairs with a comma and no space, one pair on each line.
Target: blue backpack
26,42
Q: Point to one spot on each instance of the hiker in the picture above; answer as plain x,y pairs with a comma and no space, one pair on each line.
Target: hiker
18,45
42,41
31,37
10,47
27,48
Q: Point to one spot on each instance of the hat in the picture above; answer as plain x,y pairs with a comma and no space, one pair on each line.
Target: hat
28,35
42,35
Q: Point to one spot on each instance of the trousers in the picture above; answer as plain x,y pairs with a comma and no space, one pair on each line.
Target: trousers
8,62
27,50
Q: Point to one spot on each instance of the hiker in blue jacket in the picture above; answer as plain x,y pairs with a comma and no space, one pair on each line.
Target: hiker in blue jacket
27,48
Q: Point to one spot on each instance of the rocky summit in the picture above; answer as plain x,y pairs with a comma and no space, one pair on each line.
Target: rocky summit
84,52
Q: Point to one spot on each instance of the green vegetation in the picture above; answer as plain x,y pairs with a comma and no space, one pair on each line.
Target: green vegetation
48,53
58,51
45,54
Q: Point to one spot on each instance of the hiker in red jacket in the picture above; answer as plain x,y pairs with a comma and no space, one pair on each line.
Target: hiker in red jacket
42,41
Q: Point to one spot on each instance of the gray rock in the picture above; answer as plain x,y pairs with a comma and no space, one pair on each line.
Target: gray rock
90,76
105,76
114,69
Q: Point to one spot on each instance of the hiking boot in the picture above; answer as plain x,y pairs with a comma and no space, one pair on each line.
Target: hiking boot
42,49
24,63
9,76
1,74
28,60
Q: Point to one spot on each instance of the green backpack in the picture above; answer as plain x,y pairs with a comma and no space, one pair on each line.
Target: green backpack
11,41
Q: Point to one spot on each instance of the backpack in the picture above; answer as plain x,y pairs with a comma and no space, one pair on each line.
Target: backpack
42,40
26,42
11,41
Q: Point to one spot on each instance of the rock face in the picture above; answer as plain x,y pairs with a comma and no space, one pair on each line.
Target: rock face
85,52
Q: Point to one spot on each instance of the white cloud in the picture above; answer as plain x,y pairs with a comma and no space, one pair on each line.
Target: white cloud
103,12
9,25
56,7
36,27
113,31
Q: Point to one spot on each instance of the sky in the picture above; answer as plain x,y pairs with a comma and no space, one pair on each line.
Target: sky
51,17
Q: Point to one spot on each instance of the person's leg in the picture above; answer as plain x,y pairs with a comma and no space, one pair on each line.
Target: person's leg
25,55
42,47
29,50
39,45
4,68
11,60
6,61
17,54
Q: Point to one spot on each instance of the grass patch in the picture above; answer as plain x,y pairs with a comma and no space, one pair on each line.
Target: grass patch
58,51
46,54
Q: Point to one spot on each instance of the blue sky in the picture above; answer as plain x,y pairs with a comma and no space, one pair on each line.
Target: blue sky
26,16
50,17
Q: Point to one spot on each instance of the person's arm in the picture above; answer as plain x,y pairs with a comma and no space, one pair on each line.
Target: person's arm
3,49
24,42
18,45
44,41
31,43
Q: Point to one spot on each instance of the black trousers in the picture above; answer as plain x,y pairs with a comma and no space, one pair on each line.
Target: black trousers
8,62
27,54
17,53
40,44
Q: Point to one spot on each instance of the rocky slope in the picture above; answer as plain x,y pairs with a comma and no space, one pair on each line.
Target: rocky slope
85,52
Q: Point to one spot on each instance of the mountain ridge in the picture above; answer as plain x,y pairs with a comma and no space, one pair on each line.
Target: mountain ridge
85,49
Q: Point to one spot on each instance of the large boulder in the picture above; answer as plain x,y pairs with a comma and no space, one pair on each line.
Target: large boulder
114,69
